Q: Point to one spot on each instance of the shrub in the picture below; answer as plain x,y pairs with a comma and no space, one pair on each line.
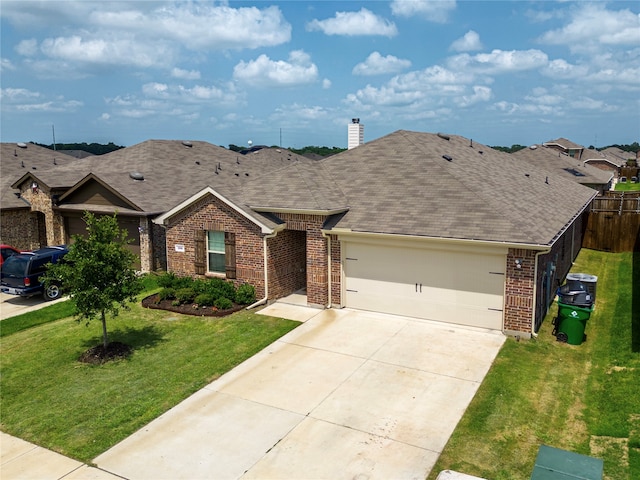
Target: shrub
223,303
246,294
185,295
166,279
218,288
167,294
204,299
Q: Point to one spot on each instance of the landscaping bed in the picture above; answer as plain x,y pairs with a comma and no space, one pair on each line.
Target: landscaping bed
154,301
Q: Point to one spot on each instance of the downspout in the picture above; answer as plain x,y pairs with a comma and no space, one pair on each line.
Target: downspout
535,290
328,237
266,272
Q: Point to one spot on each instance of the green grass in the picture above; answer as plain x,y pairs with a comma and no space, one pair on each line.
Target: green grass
627,187
582,398
38,317
80,410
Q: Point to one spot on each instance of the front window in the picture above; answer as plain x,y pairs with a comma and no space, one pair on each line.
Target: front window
215,252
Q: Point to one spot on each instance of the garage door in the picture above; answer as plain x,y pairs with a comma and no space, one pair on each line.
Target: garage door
448,286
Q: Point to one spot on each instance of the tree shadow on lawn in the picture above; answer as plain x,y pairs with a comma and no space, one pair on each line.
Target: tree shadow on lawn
121,344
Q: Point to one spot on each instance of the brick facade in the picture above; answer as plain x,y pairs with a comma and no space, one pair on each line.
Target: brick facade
209,213
296,256
552,269
22,229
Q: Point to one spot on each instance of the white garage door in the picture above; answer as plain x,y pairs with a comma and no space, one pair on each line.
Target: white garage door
448,286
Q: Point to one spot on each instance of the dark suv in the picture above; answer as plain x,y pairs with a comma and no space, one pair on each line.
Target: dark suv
20,274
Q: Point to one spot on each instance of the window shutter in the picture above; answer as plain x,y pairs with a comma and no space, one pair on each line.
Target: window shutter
199,240
230,254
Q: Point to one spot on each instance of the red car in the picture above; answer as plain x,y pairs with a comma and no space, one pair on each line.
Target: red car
6,251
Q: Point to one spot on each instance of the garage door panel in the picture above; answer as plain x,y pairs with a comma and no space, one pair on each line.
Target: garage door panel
455,287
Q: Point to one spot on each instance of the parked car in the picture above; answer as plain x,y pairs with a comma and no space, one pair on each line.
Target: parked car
20,274
6,251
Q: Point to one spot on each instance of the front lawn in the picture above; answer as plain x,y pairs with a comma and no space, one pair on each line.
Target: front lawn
80,410
582,398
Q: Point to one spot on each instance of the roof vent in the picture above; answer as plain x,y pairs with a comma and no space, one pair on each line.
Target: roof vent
533,147
480,152
136,176
187,143
447,158
443,136
197,162
22,144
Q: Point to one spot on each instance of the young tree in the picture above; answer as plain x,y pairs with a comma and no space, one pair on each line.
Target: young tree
98,272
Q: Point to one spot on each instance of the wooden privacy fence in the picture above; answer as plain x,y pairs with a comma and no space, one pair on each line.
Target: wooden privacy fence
614,223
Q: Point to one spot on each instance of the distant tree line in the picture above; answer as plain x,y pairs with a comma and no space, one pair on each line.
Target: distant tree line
93,148
512,149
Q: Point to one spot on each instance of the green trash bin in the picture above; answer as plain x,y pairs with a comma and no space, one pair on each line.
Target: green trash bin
571,323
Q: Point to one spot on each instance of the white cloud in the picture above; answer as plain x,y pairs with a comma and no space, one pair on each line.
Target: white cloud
433,10
6,65
105,52
142,34
467,43
158,90
27,48
17,94
264,72
561,69
384,96
326,83
499,61
350,24
376,64
480,94
593,26
185,74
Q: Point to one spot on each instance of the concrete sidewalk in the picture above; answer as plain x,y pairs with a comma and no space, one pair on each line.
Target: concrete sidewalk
23,460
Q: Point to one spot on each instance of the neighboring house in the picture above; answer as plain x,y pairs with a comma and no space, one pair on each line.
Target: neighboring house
43,202
24,224
566,146
425,225
569,167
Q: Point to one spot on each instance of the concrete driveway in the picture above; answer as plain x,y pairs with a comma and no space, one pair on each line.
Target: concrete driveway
348,394
12,305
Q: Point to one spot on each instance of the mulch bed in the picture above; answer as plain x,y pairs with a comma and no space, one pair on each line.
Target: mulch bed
98,355
188,308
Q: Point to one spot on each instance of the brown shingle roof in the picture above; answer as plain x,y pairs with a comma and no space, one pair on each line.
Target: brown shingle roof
401,184
564,165
16,161
564,143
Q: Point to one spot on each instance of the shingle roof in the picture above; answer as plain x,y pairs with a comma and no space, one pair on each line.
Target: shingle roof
402,184
173,170
564,165
17,161
564,143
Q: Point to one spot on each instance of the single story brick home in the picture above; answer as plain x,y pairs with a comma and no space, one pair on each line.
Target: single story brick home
431,226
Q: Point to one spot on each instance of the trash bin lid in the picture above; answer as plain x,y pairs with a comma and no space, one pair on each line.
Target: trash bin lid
583,277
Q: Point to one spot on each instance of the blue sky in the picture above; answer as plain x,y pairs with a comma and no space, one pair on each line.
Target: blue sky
229,72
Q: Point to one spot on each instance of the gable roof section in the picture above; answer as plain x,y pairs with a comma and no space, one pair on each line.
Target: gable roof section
563,165
564,143
266,225
403,184
92,192
20,159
